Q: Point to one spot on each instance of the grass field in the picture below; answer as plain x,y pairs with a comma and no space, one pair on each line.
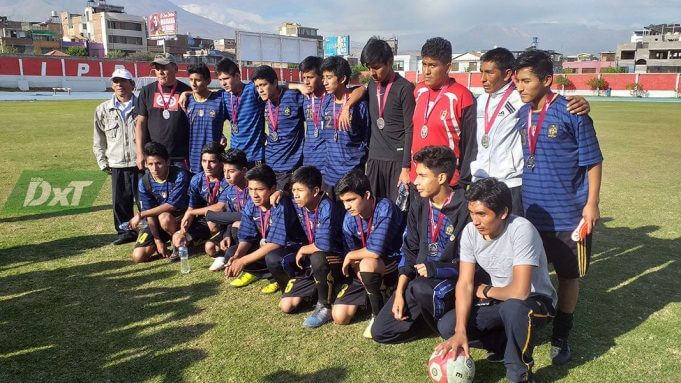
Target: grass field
74,308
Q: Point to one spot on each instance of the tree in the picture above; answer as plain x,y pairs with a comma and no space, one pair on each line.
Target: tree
636,89
9,50
613,69
568,70
140,56
564,82
357,70
115,54
597,84
76,51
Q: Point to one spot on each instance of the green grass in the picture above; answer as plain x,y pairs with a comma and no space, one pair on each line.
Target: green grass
74,308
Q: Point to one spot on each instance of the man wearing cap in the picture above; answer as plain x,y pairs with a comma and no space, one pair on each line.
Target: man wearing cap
114,148
160,118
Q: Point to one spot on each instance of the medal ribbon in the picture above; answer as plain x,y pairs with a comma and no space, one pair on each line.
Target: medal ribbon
428,110
240,198
264,224
316,116
435,231
369,223
381,108
273,117
336,122
212,195
235,108
166,103
308,229
533,130
490,122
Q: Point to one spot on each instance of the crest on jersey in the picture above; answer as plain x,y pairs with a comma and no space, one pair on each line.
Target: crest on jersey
287,111
211,114
449,230
553,131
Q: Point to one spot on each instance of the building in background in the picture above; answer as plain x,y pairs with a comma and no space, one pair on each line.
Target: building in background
466,62
588,63
653,49
295,29
25,37
108,25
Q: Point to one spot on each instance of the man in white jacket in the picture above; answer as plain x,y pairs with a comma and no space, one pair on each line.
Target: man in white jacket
500,151
114,148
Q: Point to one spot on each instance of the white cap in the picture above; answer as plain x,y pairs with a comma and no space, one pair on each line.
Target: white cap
121,73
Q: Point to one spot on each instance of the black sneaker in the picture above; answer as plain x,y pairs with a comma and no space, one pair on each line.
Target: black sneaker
124,238
494,357
560,352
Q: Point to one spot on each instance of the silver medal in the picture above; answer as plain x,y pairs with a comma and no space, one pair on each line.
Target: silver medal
316,132
274,136
530,162
235,128
263,242
380,123
166,114
485,140
433,249
424,131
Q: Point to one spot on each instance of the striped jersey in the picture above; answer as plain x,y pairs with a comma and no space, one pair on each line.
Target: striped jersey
248,134
446,117
234,198
349,151
286,152
172,191
281,225
556,189
206,120
324,225
202,194
314,146
384,235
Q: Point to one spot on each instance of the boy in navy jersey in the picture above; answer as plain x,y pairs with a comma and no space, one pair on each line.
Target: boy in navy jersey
314,147
285,122
428,270
346,148
163,198
561,184
318,262
266,232
205,189
372,229
206,114
234,198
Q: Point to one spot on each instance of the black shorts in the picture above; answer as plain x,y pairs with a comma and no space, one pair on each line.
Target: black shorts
198,231
352,292
384,176
570,259
145,239
301,287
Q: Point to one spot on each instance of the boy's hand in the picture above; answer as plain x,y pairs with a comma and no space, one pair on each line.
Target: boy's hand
591,214
578,105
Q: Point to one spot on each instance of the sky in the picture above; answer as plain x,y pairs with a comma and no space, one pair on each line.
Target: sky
569,27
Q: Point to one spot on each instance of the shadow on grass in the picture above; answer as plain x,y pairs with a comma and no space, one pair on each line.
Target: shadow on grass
99,321
632,276
31,217
327,375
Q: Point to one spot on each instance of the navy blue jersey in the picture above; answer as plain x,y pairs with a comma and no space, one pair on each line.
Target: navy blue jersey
280,223
234,198
324,226
286,152
314,147
556,189
206,120
349,151
385,233
172,191
249,132
202,194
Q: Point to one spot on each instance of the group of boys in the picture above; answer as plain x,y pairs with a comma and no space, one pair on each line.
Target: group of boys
496,186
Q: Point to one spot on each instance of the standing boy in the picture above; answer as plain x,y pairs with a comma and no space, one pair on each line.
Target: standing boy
561,184
314,146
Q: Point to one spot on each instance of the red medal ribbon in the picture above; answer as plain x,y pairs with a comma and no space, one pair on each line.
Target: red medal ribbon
336,122
212,194
316,116
428,110
273,117
435,231
490,122
235,108
533,130
166,103
308,229
369,223
264,224
240,198
381,108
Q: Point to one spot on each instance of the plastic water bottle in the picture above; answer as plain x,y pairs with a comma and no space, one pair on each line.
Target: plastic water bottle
403,197
184,259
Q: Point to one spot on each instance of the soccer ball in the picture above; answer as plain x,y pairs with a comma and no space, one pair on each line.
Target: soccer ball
452,368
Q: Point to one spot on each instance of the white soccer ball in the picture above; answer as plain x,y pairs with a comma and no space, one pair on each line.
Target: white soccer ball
451,368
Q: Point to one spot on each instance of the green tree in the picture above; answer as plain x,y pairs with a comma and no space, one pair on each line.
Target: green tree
612,69
140,56
76,51
9,50
636,89
115,54
357,70
597,84
563,81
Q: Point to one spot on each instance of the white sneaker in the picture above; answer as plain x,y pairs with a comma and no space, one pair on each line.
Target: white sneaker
367,331
218,264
